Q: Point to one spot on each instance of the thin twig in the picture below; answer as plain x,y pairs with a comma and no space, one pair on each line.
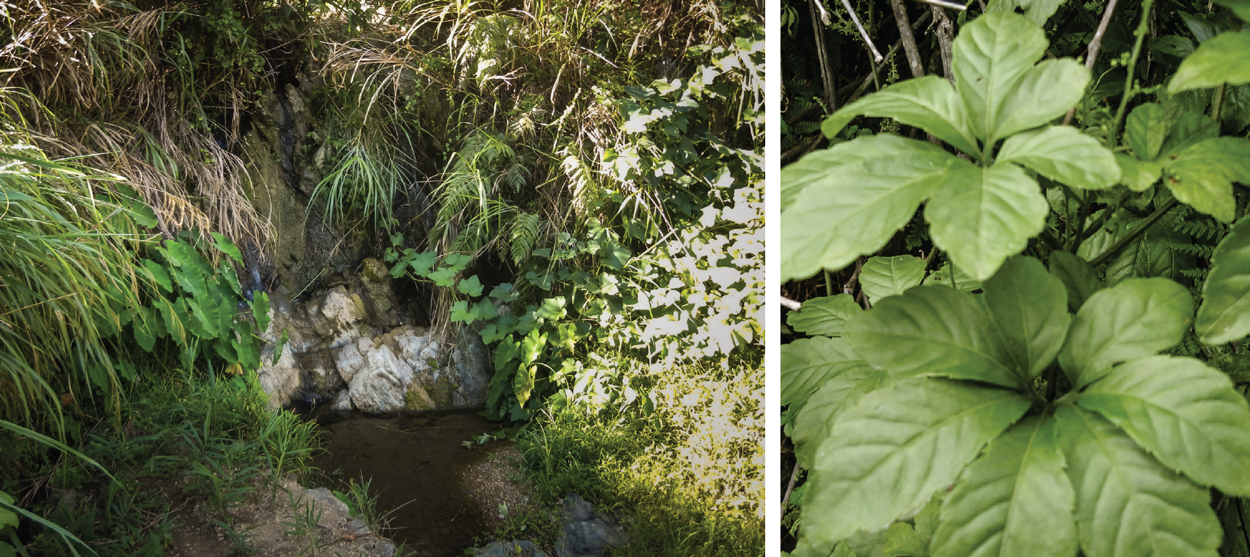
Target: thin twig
876,55
945,4
822,57
849,287
1132,67
794,476
1134,233
790,304
946,39
909,40
1095,45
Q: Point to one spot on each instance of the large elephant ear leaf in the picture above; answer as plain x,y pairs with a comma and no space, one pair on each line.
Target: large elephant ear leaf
1225,311
1013,500
886,456
927,102
849,210
1224,58
1065,155
1133,319
1126,502
991,54
1184,413
1030,307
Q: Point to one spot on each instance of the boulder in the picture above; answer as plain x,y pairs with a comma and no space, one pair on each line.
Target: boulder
585,533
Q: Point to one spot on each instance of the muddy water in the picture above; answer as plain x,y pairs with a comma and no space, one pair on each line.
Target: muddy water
416,462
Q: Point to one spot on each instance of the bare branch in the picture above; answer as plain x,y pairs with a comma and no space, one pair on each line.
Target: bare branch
909,40
790,304
876,55
1095,45
945,4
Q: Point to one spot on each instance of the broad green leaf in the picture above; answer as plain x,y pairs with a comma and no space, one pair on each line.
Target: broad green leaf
1145,130
1201,175
933,330
224,245
460,313
1239,7
841,390
818,166
855,209
1136,174
1045,92
893,450
806,364
523,383
143,326
1030,307
1037,11
901,540
159,275
890,276
1065,155
470,286
1130,320
1014,500
991,55
927,102
960,281
1156,253
983,216
444,277
1189,128
1225,311
552,308
825,316
1224,58
260,311
1126,502
1184,413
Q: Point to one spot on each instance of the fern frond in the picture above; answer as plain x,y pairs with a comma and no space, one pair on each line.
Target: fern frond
525,229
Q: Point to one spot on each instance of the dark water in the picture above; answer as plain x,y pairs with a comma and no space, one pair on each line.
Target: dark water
417,462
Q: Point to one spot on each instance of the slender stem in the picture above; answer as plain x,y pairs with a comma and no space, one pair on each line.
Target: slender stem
1095,45
794,476
945,4
909,40
1132,67
876,55
822,57
1081,214
1052,380
1134,233
1094,226
849,287
1217,100
946,40
828,283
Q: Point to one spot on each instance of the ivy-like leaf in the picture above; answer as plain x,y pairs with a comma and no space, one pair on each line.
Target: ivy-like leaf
841,390
1145,130
991,55
927,102
1065,155
1014,500
855,209
1184,413
1080,280
1201,175
1131,320
983,216
806,364
888,454
470,286
1126,502
1225,311
1224,58
824,316
890,276
933,330
1030,307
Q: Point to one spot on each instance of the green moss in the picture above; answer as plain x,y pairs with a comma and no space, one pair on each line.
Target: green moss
440,392
415,399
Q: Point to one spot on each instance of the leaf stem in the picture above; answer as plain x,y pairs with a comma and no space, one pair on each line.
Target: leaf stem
1217,101
1134,233
1132,67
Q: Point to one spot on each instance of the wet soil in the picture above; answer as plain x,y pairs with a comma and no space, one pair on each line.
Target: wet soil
417,463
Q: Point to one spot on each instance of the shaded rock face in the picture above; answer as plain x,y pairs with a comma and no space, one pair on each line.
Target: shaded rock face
348,348
586,533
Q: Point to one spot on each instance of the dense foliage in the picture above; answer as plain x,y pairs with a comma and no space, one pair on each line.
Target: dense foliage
999,405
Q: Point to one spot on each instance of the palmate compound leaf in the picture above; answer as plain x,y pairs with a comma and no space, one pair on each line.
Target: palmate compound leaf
841,390
849,210
1184,413
1128,504
1130,320
1065,155
825,316
1030,307
890,276
887,455
1224,58
926,102
1225,311
807,363
933,330
1201,174
1013,500
982,216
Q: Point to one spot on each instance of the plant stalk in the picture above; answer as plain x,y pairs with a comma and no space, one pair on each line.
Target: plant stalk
1140,33
1217,102
1095,45
1134,233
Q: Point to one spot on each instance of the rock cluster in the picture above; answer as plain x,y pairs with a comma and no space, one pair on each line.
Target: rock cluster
583,533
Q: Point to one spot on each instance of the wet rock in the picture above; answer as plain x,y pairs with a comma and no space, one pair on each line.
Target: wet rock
586,533
383,382
513,548
340,312
472,369
342,401
280,380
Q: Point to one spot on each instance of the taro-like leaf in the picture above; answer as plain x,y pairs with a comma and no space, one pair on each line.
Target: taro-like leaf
890,276
1126,502
806,364
260,311
1224,58
1201,175
159,275
1014,500
224,245
927,102
1131,320
841,390
933,330
1065,155
1030,307
1184,413
982,216
991,55
1225,311
1145,130
825,316
888,455
851,210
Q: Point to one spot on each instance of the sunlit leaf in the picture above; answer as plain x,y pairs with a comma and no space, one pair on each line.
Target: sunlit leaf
1065,155
890,276
1224,58
825,316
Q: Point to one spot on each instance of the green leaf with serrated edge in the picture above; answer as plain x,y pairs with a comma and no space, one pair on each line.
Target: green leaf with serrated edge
856,209
260,311
1224,58
1138,175
1239,7
1145,130
825,316
1126,502
1188,129
1044,93
893,450
1077,276
983,216
1225,311
933,330
1030,307
1063,154
890,276
926,102
444,277
1201,175
901,540
960,281
459,312
1184,413
807,363
552,308
820,166
1013,500
224,245
991,55
470,286
1133,319
841,390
